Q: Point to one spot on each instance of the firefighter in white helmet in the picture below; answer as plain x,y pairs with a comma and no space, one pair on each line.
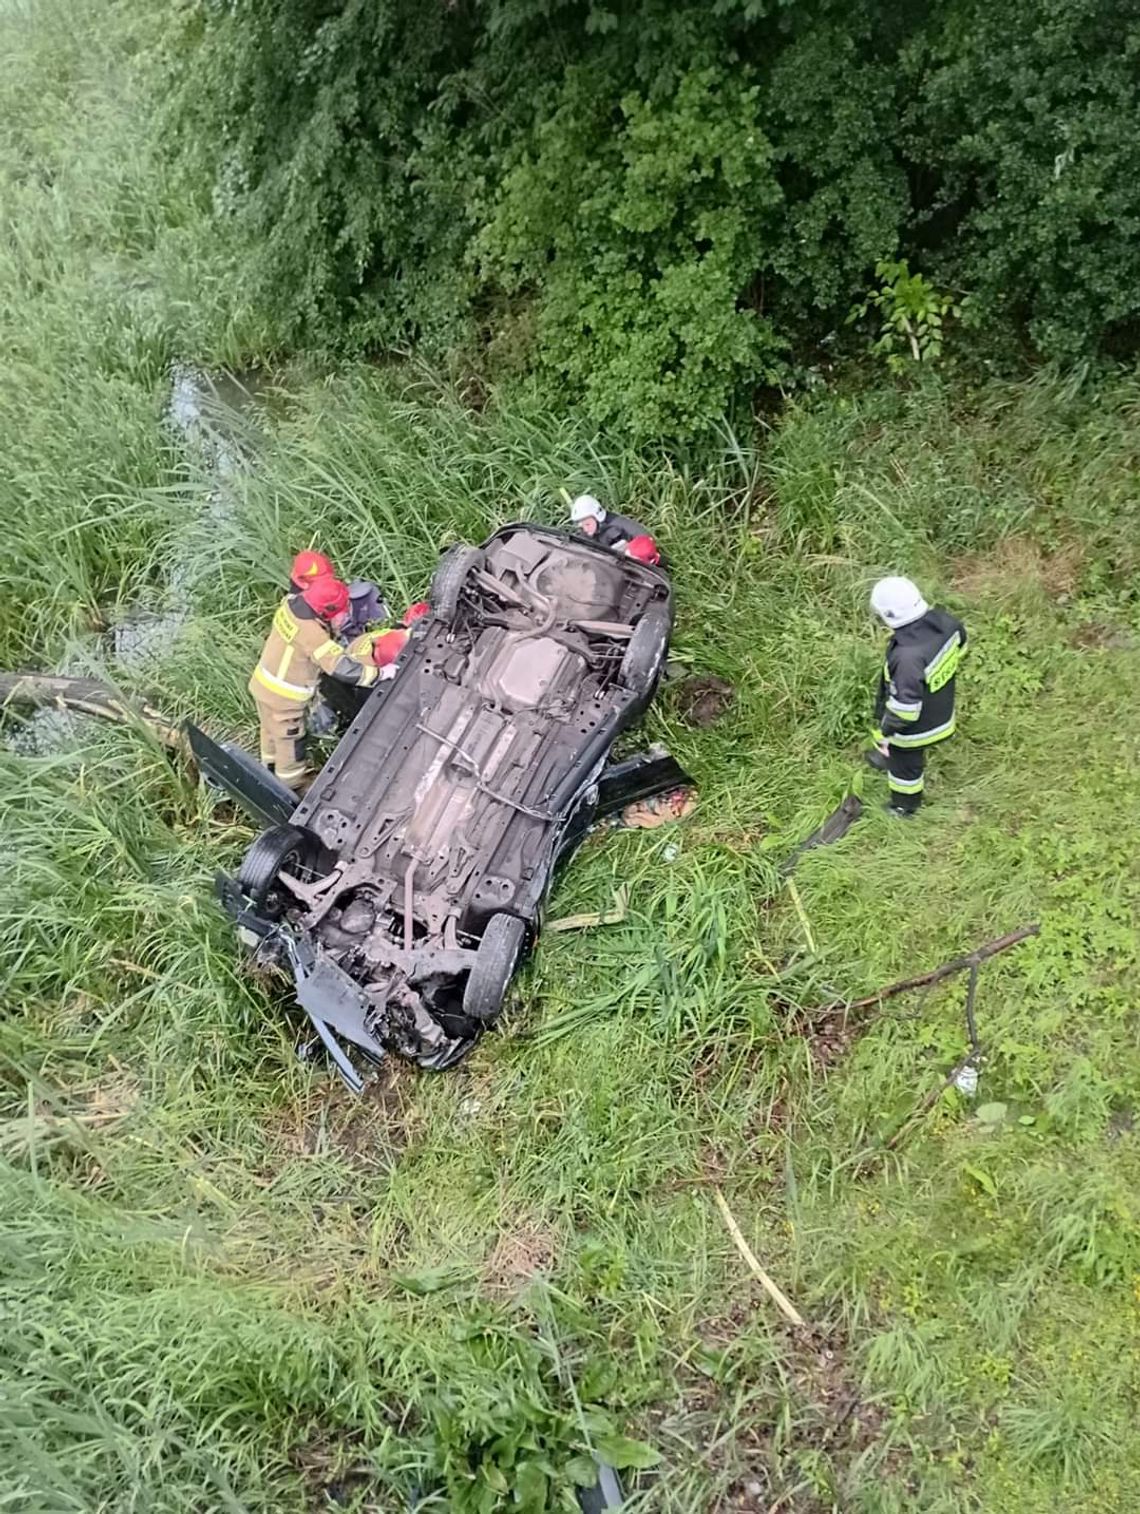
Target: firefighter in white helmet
914,709
604,526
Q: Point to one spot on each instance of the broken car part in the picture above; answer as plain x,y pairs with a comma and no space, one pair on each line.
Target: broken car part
406,888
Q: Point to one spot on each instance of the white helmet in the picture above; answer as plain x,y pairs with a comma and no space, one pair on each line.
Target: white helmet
586,507
898,601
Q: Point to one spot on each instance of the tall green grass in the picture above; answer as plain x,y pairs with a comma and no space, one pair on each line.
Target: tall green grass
376,1261
106,274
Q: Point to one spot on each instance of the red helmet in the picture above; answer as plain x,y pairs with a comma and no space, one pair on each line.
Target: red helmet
416,612
643,549
309,565
387,647
326,596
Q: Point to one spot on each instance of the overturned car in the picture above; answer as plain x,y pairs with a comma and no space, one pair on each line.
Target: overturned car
406,888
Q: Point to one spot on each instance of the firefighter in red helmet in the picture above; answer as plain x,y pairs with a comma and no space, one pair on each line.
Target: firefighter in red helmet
300,646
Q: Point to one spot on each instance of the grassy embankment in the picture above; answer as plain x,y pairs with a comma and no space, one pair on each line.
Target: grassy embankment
222,1274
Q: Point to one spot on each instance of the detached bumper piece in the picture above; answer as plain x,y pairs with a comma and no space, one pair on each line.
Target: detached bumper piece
334,1004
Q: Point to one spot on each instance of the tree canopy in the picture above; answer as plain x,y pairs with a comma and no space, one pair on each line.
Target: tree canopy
656,207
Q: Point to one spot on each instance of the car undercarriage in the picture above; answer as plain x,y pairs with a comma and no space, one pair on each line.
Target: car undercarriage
407,886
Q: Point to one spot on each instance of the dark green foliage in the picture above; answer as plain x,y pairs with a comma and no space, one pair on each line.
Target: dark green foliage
1025,119
657,207
315,125
637,280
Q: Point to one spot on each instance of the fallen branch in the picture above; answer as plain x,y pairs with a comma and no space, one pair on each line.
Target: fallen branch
960,964
778,1297
85,696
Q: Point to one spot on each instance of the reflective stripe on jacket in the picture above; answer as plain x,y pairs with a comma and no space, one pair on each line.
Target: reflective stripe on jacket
915,706
298,649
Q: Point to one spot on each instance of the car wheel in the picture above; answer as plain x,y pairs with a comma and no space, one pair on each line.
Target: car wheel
496,961
645,654
447,585
284,847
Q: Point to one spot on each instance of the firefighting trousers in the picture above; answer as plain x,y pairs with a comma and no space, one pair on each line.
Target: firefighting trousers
905,775
283,742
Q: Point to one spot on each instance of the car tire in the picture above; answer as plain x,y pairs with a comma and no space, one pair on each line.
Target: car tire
645,655
496,961
450,578
283,847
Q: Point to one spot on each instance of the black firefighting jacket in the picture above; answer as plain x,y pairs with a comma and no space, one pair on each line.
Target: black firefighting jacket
915,704
616,530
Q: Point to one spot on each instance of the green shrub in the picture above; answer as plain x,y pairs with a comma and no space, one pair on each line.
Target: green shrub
637,237
661,208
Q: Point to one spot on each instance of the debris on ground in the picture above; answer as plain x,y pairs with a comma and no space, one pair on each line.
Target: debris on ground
592,918
774,1292
966,1081
702,699
661,809
833,829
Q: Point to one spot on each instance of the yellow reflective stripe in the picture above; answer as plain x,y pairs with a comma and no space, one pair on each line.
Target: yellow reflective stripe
286,659
285,623
325,648
942,667
277,685
904,711
905,785
368,676
923,738
944,672
944,650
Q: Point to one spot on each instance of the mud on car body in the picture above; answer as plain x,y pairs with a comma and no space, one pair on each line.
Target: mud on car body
406,888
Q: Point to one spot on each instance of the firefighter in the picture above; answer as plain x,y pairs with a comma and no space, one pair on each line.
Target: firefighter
308,565
367,606
605,527
299,647
914,709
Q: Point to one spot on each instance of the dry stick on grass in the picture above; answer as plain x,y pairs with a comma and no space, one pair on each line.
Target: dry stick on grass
948,969
794,894
779,1298
613,916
